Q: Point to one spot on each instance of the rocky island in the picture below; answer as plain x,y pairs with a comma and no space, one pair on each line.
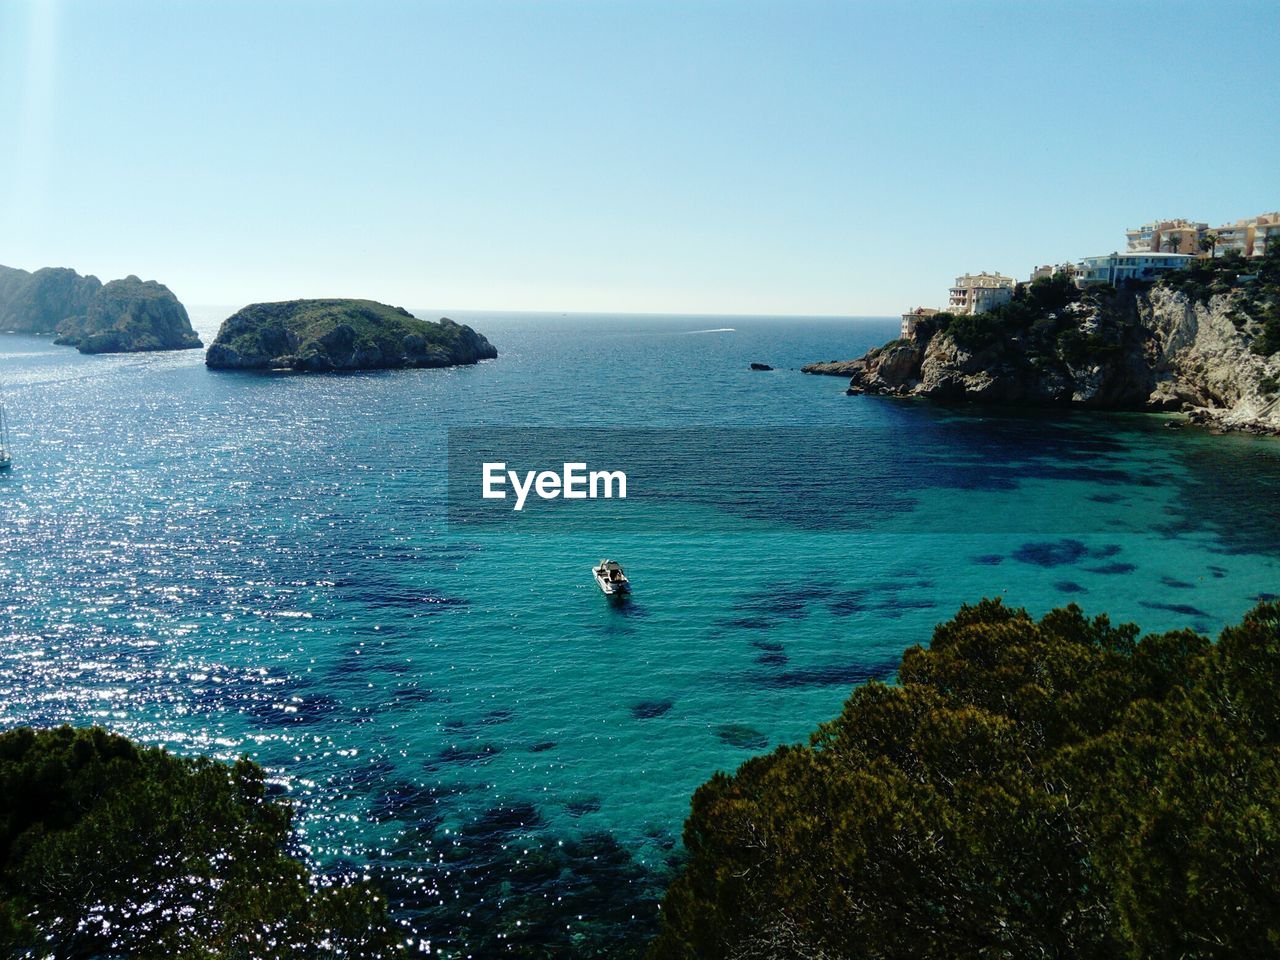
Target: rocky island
123,316
1204,340
130,315
328,335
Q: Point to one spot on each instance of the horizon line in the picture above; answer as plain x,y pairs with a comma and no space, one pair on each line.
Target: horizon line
444,312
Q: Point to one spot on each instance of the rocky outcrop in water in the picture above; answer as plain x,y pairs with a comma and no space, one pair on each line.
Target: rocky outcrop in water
124,316
37,302
130,316
1158,348
329,335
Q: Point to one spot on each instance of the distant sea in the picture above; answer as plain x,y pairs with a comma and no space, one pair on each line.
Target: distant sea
233,563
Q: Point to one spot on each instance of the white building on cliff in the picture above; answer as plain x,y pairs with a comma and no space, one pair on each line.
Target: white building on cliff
1116,268
979,292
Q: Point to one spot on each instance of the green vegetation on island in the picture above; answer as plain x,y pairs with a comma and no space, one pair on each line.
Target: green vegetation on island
1051,788
109,849
124,316
129,316
324,335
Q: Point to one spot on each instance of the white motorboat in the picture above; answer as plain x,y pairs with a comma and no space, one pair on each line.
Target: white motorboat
609,576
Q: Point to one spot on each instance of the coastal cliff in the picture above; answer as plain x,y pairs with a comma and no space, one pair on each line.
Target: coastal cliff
130,316
124,316
1203,342
1210,360
37,302
328,335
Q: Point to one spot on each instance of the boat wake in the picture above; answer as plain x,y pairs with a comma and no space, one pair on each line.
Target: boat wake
716,330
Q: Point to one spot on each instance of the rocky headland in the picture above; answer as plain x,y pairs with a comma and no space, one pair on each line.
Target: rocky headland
128,316
329,335
1204,341
123,316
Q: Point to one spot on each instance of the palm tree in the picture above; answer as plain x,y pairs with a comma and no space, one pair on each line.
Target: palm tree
1209,242
1173,241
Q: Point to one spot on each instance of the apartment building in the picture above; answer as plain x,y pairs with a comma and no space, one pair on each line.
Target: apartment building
1165,236
1248,237
1266,235
979,292
1118,268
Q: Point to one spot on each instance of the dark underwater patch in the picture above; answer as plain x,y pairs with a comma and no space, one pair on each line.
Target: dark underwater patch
581,806
1176,583
272,700
410,802
416,695
1107,498
463,754
742,736
385,595
847,606
543,746
295,711
660,835
1113,569
1069,586
1183,609
988,559
502,820
770,645
773,658
362,777
651,709
898,603
887,597
829,675
626,605
1050,553
1104,551
568,897
788,601
748,623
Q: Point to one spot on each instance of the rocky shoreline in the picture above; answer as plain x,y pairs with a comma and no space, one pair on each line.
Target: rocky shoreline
1155,349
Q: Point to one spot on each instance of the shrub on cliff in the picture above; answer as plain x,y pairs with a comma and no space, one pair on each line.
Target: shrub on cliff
1255,282
108,849
1037,312
1051,788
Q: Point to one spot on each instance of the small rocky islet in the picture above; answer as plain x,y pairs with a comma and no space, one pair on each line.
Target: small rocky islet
341,335
133,315
123,316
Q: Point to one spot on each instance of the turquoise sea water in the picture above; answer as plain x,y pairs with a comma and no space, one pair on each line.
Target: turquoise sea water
264,564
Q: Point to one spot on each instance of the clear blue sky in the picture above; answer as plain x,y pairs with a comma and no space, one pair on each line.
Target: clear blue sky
752,157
